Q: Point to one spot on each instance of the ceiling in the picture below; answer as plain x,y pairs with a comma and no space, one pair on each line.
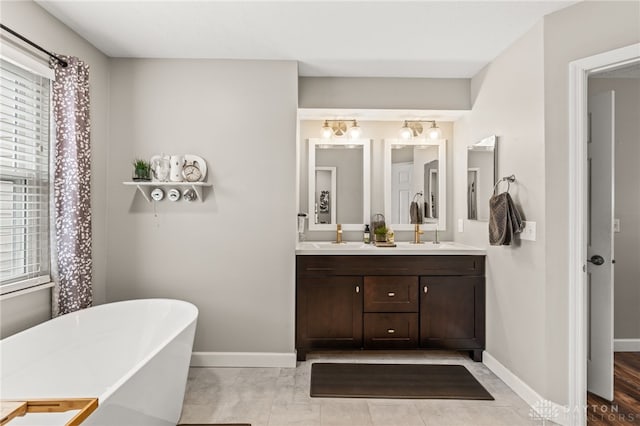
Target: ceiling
438,39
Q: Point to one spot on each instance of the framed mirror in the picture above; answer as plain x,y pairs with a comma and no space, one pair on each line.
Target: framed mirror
339,184
415,171
481,177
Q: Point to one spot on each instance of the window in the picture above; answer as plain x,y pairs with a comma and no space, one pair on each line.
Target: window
25,122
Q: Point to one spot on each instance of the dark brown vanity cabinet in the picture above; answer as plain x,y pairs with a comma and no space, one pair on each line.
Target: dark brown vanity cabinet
329,312
452,313
389,302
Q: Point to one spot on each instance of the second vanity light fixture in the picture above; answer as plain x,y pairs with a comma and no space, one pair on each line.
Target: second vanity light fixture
413,128
338,128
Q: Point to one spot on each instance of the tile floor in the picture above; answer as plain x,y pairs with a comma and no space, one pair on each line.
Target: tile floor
280,397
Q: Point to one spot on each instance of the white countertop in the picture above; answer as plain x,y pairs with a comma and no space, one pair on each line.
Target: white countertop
402,248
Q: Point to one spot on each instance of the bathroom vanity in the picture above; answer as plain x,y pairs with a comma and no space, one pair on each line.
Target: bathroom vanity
357,296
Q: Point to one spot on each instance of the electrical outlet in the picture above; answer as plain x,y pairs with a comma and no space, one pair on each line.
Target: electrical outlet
529,231
616,225
460,225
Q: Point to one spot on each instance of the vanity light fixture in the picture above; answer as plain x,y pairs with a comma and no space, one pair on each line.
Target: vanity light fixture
327,131
413,128
434,131
339,128
406,132
355,131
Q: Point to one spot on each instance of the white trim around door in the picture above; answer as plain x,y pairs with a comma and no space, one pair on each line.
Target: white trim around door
579,71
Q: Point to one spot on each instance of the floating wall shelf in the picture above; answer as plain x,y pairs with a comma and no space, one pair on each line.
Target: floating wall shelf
145,188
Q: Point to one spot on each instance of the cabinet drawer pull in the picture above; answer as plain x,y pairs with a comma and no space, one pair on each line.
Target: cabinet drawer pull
391,294
391,331
357,289
426,289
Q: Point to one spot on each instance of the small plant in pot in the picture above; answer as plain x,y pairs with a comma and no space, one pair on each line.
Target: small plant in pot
380,234
141,170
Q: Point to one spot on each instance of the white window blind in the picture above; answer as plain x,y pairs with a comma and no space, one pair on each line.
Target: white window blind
24,177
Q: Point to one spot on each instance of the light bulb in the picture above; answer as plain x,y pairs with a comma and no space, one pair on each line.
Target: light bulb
434,131
405,131
327,131
355,131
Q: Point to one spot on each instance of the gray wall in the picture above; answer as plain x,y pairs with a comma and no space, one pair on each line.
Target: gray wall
627,202
384,93
233,254
30,20
522,97
582,30
508,101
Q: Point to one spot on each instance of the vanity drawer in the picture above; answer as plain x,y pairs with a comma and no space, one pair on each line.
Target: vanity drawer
391,294
384,331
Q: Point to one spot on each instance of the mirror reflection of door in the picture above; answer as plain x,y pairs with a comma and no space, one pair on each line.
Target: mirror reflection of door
401,174
431,191
472,193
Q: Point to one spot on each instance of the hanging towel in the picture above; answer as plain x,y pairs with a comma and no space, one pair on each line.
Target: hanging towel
415,213
504,220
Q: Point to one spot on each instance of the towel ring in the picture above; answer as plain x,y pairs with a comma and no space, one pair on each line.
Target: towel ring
509,180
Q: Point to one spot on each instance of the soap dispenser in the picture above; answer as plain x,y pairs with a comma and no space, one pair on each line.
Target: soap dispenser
367,234
301,218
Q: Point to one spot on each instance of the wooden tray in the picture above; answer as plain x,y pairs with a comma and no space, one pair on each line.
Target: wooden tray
381,244
13,409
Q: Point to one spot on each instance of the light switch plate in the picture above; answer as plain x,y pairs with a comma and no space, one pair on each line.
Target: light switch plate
529,231
616,225
460,225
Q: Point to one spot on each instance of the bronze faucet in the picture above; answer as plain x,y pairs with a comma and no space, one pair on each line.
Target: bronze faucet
416,234
338,234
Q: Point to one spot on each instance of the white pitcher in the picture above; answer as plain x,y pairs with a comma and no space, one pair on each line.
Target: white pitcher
177,164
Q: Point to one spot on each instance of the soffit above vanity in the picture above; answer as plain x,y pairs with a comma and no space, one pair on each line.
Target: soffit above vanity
379,114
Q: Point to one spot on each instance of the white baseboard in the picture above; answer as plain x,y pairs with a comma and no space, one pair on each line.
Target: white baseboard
546,409
243,359
626,345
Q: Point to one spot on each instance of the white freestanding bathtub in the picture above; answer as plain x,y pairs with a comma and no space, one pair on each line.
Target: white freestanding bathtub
133,356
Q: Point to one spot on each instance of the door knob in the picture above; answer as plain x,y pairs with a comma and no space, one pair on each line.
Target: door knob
596,260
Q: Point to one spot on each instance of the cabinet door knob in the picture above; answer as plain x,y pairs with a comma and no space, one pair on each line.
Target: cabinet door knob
357,289
391,294
391,331
426,289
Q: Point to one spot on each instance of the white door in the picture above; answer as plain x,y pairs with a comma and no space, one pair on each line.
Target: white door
400,192
600,244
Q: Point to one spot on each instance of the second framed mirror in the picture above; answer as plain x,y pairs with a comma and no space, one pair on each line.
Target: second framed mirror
415,171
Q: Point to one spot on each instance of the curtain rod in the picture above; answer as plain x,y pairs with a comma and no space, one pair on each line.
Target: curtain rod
29,42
